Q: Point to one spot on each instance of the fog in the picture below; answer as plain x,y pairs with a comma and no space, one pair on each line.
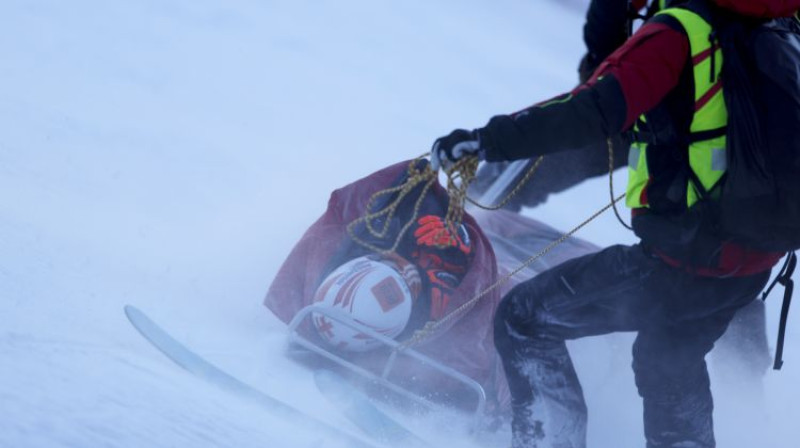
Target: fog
169,153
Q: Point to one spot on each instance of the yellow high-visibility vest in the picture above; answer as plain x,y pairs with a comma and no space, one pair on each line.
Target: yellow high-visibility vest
707,156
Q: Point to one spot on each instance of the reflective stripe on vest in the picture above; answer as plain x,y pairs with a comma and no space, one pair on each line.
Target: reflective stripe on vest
707,156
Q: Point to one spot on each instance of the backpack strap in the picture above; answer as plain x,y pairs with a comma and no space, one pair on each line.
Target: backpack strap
784,278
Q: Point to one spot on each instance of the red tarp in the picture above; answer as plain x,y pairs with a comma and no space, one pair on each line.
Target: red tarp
501,242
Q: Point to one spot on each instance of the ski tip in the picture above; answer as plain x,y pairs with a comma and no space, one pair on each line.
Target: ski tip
131,311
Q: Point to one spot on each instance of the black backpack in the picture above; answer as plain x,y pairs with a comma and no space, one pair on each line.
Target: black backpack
758,200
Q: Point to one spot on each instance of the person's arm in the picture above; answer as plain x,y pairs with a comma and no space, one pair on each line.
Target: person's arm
605,30
606,27
631,81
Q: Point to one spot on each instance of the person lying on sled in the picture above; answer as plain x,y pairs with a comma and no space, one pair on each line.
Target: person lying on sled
432,272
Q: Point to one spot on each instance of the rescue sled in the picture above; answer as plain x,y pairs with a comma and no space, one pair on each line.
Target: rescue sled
456,368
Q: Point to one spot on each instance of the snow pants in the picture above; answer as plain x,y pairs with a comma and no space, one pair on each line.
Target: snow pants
678,317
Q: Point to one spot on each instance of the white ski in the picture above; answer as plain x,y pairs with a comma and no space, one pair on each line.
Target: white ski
198,366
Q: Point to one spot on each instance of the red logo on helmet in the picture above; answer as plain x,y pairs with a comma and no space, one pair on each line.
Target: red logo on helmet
388,294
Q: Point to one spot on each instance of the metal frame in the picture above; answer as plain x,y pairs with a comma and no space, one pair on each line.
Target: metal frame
383,380
500,186
492,195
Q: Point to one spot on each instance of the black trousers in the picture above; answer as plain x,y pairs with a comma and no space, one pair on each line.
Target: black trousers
678,317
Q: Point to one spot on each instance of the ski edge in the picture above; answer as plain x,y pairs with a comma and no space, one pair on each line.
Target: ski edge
195,364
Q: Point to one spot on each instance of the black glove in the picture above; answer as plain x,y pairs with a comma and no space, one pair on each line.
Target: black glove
589,63
458,144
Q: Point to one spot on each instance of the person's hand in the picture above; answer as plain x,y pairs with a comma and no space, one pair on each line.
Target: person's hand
458,144
433,231
444,257
442,286
589,63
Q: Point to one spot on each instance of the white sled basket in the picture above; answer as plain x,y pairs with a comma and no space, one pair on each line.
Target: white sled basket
396,351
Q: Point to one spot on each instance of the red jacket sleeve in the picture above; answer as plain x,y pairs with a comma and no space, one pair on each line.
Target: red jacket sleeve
631,81
647,67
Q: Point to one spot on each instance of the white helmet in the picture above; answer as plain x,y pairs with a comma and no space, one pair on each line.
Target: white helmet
376,291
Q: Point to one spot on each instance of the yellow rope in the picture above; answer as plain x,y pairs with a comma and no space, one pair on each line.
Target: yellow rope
513,192
610,144
459,176
430,327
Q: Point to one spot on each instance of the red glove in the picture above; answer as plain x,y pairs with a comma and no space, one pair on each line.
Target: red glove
443,284
433,231
444,257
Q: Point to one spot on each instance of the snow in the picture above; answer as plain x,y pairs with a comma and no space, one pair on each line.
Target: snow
168,154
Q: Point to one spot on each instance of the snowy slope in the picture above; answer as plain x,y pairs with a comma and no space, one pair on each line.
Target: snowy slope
168,154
